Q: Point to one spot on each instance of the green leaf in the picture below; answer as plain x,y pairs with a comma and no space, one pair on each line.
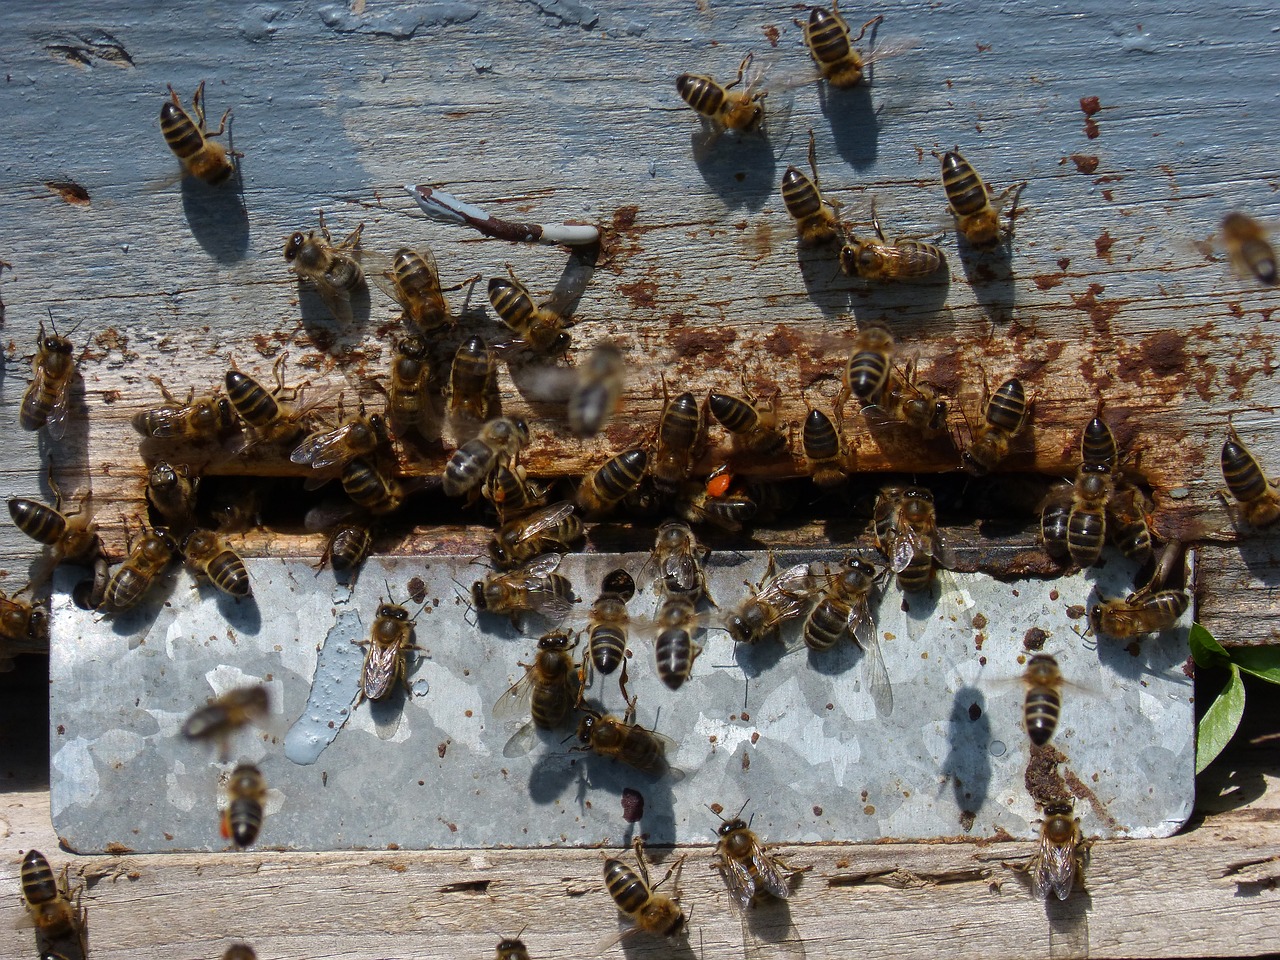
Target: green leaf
1207,651
1262,662
1219,723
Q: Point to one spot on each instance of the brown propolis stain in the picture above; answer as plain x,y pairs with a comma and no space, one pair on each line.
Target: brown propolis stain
704,340
1099,311
1090,105
1047,281
1102,245
70,192
1085,162
771,33
641,293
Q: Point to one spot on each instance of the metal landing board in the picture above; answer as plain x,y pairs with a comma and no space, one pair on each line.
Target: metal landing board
801,743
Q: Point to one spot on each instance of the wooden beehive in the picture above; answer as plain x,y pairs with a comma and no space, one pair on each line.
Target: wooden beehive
562,110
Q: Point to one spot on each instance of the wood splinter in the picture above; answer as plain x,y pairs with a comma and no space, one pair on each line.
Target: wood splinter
446,208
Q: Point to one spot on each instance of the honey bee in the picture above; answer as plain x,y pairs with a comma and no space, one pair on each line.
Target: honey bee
1148,611
729,511
246,795
1127,522
824,451
535,587
681,430
499,441
778,597
816,220
844,609
389,642
1004,414
1257,498
413,281
198,420
977,216
538,327
554,528
598,391
208,553
335,271
1249,247
353,437
512,493
69,536
147,559
741,110
48,901
191,142
473,392
47,399
547,691
747,868
1098,448
370,488
608,624
511,948
674,648
348,546
264,410
408,400
1043,703
636,896
606,486
879,260
914,403
22,625
1055,515
679,558
827,37
1058,858
1087,522
907,533
867,373
220,718
239,951
626,742
171,493
754,424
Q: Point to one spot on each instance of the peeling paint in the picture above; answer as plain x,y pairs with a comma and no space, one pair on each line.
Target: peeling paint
399,24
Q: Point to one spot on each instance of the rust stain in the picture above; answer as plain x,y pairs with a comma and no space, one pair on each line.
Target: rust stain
1085,163
1102,245
641,293
1100,312
70,191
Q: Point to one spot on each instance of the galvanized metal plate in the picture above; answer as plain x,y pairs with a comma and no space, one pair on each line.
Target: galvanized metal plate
795,736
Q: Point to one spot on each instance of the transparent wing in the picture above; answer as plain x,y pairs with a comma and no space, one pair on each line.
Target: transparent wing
1055,869
770,876
546,519
739,880
522,741
322,450
540,567
336,298
548,603
57,422
903,545
515,701
874,673
166,422
379,671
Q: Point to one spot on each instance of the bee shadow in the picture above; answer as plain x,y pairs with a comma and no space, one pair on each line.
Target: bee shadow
741,170
968,761
755,658
855,123
820,269
769,921
990,274
332,334
241,613
554,769
912,309
1069,923
137,622
217,217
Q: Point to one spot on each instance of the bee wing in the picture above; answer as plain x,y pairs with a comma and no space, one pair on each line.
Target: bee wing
903,545
547,518
381,665
771,876
888,51
739,880
614,938
522,741
322,450
539,567
515,701
57,422
548,603
1055,869
874,673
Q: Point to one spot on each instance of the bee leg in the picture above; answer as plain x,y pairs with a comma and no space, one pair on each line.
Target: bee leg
630,715
353,239
638,845
197,105
475,277
622,680
222,125
863,31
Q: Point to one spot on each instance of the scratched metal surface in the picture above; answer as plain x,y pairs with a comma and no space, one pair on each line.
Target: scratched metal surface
802,740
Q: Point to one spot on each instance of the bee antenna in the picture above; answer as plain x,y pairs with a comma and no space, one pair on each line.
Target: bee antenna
743,807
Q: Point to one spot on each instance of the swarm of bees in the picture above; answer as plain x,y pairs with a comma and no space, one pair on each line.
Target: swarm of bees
1106,502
